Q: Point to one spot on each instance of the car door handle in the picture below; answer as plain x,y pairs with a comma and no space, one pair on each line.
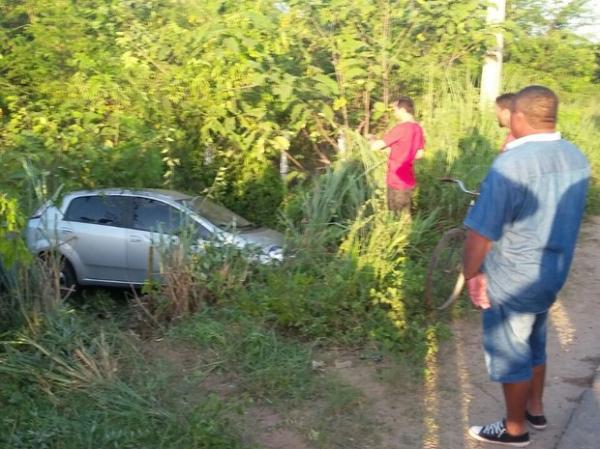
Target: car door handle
66,231
135,239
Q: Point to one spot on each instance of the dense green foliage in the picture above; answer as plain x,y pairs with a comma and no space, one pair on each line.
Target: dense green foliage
209,96
543,44
207,93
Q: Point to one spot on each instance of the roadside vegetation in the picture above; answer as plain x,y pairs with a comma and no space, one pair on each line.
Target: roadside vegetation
214,97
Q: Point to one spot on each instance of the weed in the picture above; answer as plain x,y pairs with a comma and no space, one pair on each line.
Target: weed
64,388
341,417
263,363
116,415
190,277
32,290
60,354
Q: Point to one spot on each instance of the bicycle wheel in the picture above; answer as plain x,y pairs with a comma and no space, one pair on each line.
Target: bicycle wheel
445,280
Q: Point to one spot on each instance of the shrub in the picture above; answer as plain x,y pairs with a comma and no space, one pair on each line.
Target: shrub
190,278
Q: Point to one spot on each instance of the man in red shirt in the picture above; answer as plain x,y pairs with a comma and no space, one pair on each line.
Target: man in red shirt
406,143
503,108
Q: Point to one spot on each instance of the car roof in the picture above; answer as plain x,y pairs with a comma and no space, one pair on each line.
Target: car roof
163,194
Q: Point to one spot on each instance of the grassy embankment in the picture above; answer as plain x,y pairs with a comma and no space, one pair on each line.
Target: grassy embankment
95,372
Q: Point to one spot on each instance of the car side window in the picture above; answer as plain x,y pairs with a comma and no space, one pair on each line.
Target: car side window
98,209
156,216
203,233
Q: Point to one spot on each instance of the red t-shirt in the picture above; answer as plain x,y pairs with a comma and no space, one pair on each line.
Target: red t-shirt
404,141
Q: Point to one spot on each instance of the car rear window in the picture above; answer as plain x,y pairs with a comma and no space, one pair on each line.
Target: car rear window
103,210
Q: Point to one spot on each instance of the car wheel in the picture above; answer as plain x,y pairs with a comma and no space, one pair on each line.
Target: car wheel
67,277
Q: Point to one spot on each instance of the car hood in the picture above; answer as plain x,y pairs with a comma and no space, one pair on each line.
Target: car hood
263,237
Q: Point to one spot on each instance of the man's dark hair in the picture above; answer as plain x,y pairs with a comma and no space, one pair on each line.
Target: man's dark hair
505,101
406,103
539,105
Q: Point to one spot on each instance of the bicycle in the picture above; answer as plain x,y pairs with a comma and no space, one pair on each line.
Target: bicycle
445,281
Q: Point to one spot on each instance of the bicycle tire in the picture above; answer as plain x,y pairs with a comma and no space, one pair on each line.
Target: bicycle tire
445,281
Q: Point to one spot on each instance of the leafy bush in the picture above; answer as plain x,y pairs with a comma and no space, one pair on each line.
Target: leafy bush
256,193
12,248
28,288
190,278
319,299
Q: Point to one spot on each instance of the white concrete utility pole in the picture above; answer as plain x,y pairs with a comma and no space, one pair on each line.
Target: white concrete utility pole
284,167
491,75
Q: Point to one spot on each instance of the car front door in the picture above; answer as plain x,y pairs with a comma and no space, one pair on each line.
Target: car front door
154,228
93,230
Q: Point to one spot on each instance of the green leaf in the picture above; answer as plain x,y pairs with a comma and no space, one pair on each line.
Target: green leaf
339,103
326,85
280,143
284,91
327,112
355,72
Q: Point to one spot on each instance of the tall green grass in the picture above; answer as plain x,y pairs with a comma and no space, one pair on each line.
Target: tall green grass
461,142
78,383
579,121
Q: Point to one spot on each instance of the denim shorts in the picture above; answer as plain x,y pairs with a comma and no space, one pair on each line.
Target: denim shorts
514,342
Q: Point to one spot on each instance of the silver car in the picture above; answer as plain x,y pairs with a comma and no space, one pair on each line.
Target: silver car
107,237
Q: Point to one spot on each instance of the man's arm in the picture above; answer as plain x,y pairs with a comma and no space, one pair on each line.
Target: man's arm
378,144
485,223
476,247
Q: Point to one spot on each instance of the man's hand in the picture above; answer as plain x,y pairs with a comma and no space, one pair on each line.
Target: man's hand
477,288
377,144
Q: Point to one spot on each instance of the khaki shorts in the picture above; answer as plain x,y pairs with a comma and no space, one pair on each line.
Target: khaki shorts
398,200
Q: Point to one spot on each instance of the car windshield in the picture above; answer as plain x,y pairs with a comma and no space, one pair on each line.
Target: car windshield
218,215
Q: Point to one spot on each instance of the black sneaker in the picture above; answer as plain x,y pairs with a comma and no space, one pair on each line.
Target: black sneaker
496,433
536,421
